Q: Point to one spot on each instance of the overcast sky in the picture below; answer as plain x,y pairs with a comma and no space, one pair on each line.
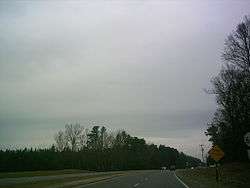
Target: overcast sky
137,65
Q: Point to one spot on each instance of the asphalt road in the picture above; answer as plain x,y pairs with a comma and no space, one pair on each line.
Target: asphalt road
130,179
148,179
27,180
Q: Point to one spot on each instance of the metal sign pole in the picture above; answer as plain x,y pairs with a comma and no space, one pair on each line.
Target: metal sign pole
217,154
217,172
247,142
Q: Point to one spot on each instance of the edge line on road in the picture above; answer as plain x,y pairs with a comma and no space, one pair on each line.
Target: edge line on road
136,184
98,181
185,185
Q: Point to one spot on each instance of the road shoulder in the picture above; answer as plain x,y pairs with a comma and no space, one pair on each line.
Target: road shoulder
184,184
232,175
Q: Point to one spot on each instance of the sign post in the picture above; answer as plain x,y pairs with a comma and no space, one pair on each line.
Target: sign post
216,154
247,141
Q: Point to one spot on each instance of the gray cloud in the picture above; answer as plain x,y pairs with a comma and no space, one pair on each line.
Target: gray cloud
141,66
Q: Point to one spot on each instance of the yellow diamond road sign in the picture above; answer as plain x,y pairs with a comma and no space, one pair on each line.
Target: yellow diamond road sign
216,153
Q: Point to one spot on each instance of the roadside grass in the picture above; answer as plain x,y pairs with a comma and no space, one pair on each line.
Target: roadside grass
235,175
39,173
64,183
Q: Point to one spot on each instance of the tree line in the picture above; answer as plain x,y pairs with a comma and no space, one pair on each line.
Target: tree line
232,90
98,149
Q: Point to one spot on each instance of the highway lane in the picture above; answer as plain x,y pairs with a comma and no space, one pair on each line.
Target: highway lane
27,180
148,179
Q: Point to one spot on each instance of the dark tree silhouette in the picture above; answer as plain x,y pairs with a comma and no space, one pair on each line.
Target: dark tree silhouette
104,151
232,90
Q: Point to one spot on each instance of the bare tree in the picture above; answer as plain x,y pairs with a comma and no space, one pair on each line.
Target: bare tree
103,134
237,46
83,137
74,137
61,142
108,140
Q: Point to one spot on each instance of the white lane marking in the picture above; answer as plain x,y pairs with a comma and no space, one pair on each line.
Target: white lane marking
185,185
135,185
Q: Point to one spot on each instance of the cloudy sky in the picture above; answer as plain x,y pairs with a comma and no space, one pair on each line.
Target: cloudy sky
138,65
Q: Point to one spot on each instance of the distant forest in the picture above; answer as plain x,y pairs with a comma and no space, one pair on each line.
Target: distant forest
97,150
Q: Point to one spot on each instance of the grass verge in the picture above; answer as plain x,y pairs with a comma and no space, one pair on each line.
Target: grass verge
39,173
235,175
64,183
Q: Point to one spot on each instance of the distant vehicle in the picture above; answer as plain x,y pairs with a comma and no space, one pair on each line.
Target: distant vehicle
172,167
163,168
